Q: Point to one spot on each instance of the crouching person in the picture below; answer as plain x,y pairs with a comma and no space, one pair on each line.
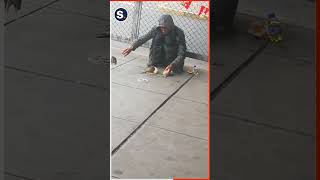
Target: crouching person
168,47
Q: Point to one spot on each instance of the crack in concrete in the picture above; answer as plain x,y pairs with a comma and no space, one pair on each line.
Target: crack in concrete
145,121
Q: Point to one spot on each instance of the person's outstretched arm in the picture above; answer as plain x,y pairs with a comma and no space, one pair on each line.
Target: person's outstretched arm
140,41
143,39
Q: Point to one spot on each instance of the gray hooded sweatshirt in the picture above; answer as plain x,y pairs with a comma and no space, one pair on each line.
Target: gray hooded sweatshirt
173,43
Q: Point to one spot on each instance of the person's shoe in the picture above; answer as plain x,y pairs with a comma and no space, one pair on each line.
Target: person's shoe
150,69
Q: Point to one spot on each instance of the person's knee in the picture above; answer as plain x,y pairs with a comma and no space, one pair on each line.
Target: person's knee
156,57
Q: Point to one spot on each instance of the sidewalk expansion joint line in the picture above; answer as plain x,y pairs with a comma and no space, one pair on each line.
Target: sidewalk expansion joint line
128,86
31,12
190,100
287,130
56,78
236,72
159,127
144,122
18,176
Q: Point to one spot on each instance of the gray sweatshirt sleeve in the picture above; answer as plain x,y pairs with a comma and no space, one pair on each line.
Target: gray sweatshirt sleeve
182,48
143,39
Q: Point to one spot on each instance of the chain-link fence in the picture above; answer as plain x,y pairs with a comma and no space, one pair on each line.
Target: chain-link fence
191,17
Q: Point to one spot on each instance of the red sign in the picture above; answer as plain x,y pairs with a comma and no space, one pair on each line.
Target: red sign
203,9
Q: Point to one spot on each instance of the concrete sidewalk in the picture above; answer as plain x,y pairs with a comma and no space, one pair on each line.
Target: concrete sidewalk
56,101
165,119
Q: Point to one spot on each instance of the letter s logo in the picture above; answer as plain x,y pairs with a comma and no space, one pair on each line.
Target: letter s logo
121,14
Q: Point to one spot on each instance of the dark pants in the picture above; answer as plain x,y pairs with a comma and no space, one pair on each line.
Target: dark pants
159,58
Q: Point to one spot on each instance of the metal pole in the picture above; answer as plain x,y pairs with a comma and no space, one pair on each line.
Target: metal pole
136,20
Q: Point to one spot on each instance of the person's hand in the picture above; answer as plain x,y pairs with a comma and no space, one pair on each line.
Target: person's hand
127,51
168,68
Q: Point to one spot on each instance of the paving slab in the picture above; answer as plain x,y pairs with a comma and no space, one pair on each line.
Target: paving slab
98,9
272,90
121,129
197,89
131,75
133,104
54,129
157,153
183,116
250,152
59,47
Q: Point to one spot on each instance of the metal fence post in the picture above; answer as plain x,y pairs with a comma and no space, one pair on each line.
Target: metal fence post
136,20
